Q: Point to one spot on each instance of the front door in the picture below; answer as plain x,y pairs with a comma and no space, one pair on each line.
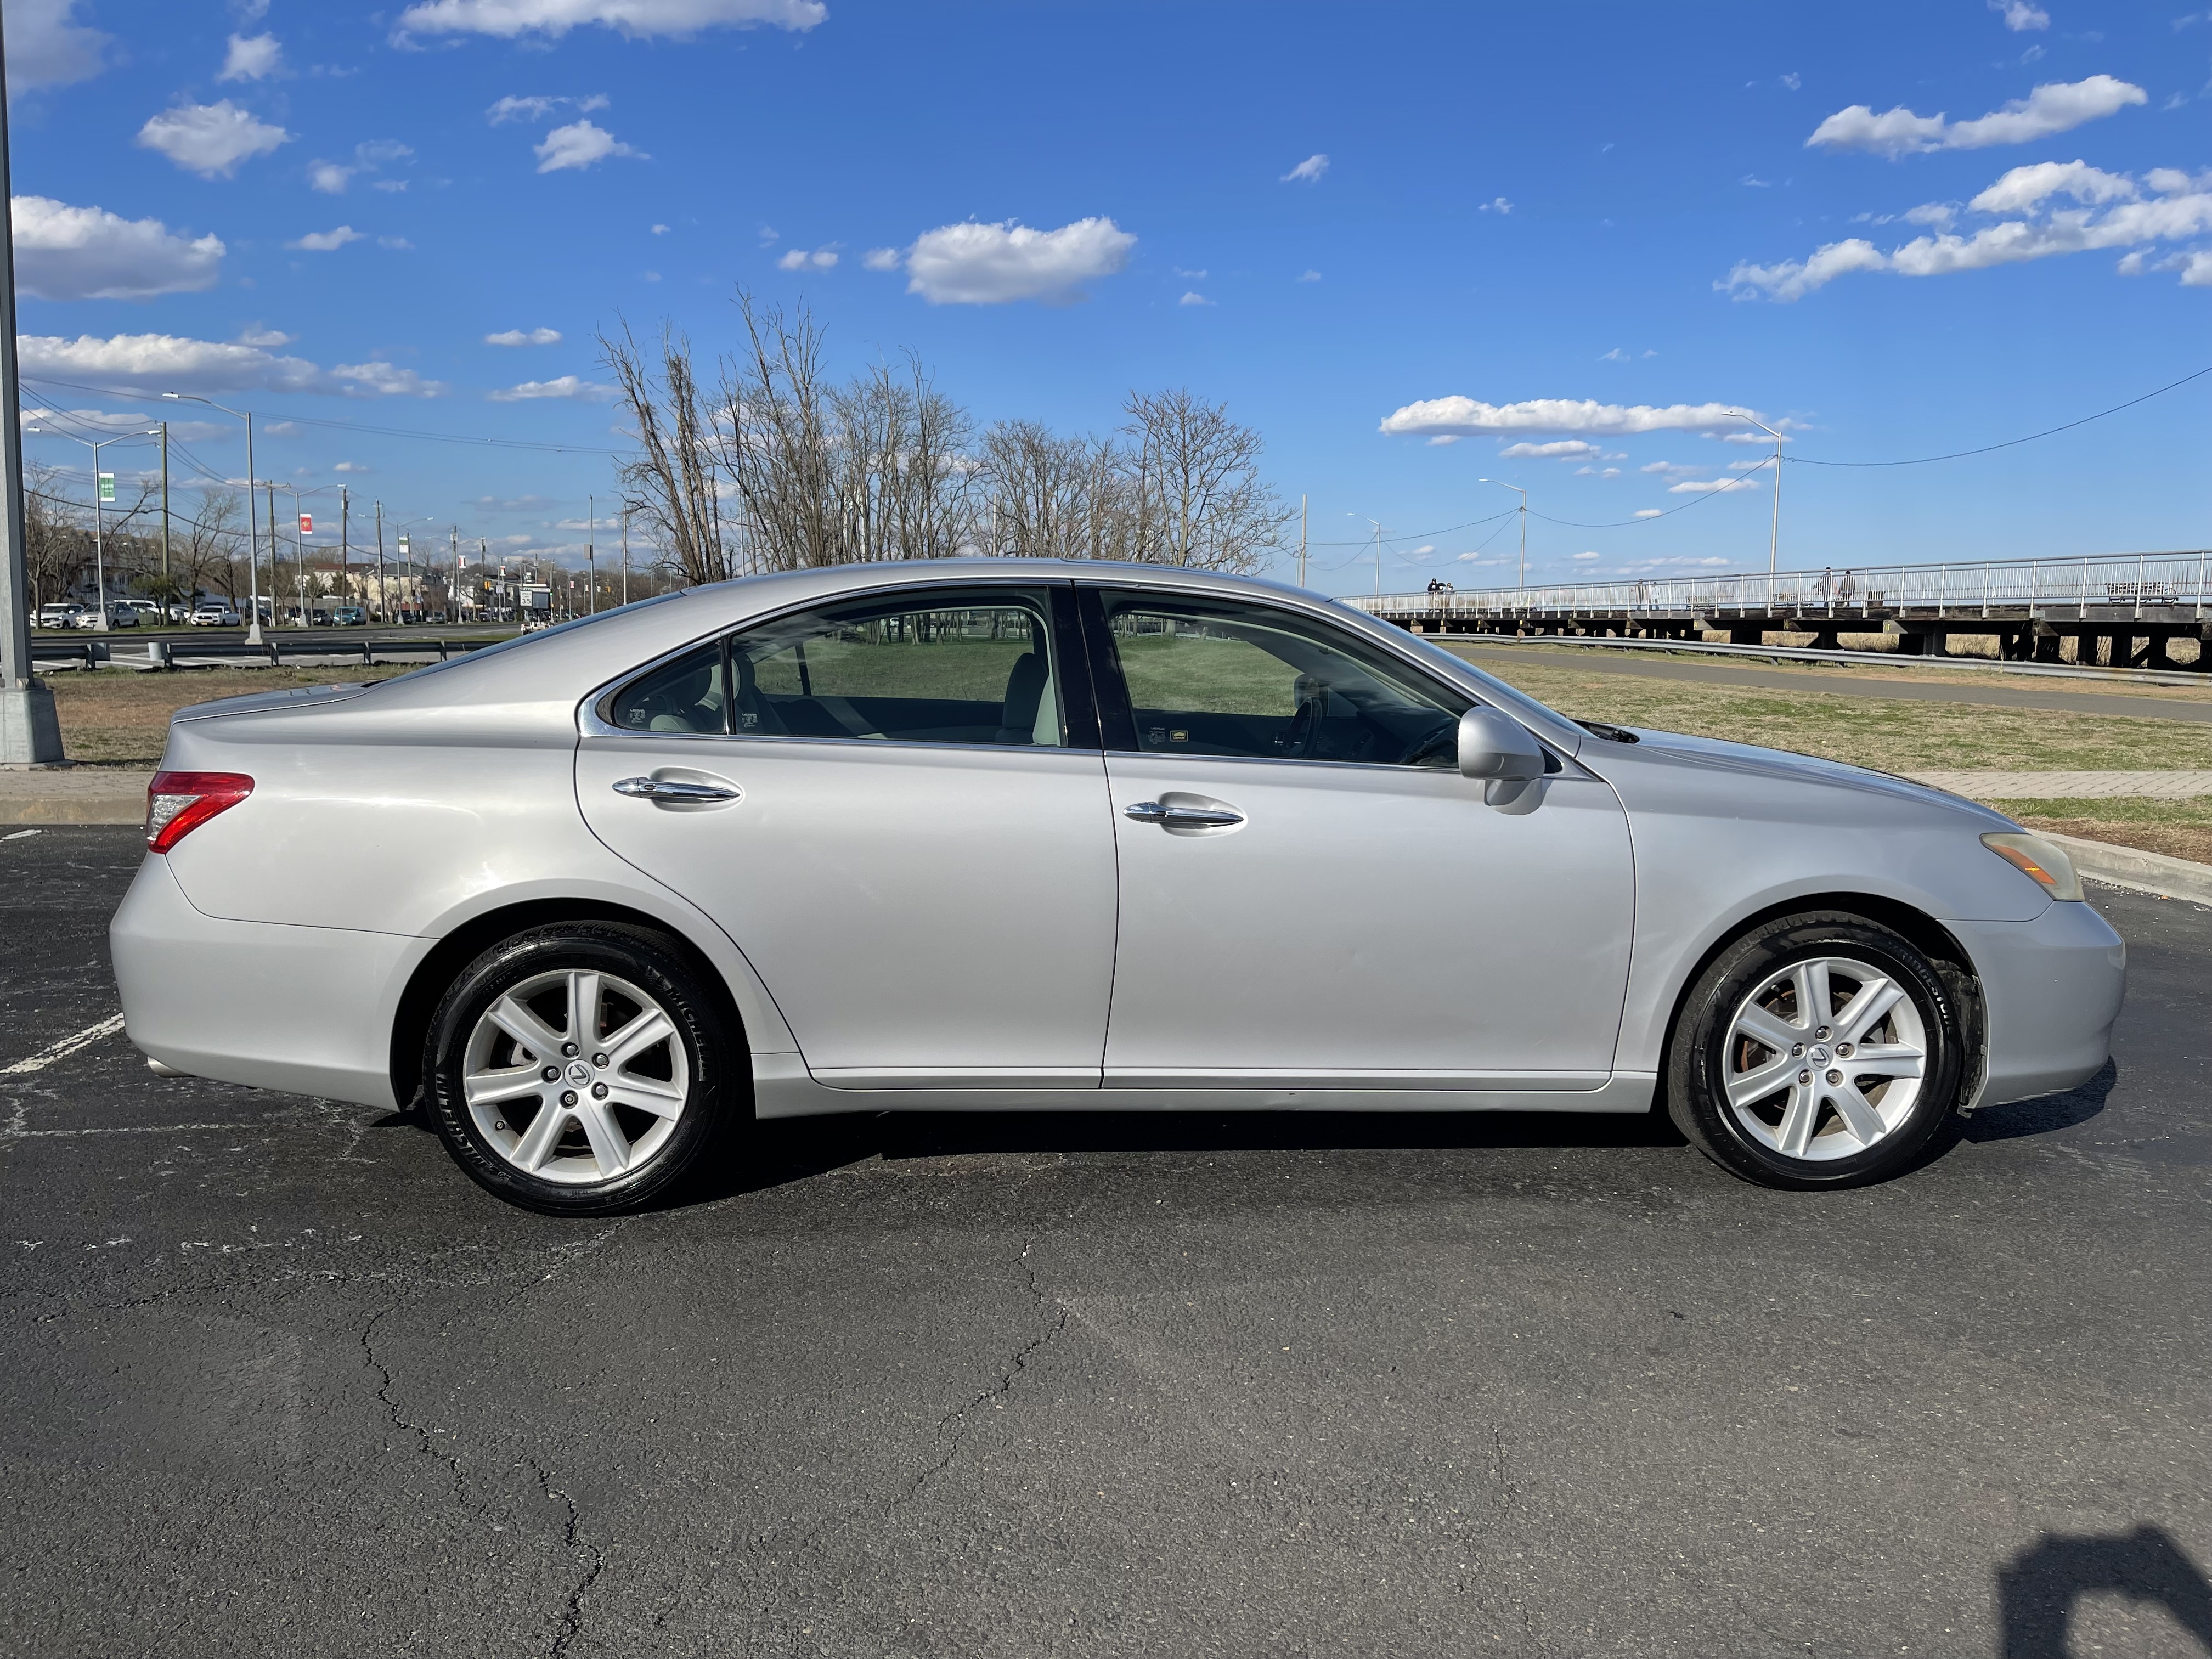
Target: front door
1313,897
898,827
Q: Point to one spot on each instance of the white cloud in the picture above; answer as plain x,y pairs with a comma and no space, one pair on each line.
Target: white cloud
1597,472
1711,486
397,244
209,139
64,252
2113,215
325,241
580,144
1579,557
1465,415
1647,512
381,379
2058,106
2198,272
536,108
48,48
255,334
1496,204
149,364
1749,437
516,337
568,386
660,230
1562,449
331,178
799,258
350,466
1939,215
1308,171
2021,15
1309,276
1671,469
881,258
1194,298
252,58
638,19
993,265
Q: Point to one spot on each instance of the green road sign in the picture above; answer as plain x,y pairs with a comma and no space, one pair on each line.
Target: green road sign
107,488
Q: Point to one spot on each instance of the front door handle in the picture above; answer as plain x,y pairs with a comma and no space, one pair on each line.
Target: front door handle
675,790
1180,818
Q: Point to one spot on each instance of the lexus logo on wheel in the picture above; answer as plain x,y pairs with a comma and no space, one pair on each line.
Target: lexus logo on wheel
579,1073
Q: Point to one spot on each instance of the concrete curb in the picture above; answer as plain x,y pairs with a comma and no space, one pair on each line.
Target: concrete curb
74,794
2144,872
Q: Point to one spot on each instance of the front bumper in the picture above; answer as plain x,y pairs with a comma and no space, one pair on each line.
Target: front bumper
2050,989
306,1009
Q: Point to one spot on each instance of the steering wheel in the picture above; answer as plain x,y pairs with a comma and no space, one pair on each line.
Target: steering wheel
1443,738
1305,727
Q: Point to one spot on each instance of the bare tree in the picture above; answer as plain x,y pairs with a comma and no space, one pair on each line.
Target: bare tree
1198,496
53,534
1052,496
671,487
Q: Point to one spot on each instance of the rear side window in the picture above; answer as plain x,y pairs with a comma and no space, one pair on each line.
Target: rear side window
688,695
950,666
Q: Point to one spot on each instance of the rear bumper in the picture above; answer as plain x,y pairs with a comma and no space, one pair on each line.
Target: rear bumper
2050,990
306,1009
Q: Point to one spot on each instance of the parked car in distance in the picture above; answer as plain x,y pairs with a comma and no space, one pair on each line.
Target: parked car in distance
1001,834
63,614
349,615
213,613
122,614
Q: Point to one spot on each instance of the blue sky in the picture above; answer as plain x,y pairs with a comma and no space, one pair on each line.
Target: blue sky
1401,240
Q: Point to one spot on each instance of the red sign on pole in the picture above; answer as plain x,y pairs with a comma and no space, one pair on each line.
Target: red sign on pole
307,524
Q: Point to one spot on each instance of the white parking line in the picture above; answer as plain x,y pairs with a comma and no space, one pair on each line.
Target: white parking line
65,1048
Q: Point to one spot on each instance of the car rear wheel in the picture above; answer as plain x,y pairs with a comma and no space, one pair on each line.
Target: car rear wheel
1818,1050
580,1069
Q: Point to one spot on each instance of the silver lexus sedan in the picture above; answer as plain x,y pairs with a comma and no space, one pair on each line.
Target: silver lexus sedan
993,835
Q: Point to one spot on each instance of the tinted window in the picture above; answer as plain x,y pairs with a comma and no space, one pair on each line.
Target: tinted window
972,668
1213,677
685,695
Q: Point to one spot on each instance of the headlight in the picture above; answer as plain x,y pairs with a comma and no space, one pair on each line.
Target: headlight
2044,862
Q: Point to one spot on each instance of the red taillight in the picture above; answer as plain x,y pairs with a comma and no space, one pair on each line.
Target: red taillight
178,803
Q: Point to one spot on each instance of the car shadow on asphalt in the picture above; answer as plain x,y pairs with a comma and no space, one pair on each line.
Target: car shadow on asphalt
2038,1588
790,1149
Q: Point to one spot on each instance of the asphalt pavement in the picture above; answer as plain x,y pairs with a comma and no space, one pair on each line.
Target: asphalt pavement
2033,694
279,1381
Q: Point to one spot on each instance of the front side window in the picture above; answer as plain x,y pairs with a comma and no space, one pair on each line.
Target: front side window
950,666
1208,677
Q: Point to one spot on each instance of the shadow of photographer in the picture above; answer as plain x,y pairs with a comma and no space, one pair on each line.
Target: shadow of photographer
2038,1588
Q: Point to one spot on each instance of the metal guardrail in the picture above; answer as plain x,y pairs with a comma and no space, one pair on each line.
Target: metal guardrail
2164,585
166,653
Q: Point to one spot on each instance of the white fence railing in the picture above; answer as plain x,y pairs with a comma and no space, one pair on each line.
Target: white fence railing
2161,585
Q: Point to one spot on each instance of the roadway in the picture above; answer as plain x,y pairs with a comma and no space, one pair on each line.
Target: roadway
281,1381
1849,682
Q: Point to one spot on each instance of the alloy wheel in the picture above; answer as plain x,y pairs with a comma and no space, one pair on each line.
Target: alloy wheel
575,1077
1825,1059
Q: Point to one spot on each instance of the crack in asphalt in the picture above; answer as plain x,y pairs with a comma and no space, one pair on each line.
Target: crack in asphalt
572,1609
399,1419
957,1419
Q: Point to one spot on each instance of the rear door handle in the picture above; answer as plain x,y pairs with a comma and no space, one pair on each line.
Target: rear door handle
1180,818
675,790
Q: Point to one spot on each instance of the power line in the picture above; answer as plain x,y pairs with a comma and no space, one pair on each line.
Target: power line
2011,443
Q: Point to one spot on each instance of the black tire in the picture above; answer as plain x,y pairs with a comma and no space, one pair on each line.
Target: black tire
716,1096
1700,1059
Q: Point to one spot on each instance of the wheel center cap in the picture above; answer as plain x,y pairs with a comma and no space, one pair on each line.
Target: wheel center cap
579,1073
1818,1054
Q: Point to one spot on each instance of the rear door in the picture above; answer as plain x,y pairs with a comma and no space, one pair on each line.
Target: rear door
896,807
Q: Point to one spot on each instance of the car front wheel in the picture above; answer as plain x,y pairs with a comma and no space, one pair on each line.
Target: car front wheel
1818,1050
581,1069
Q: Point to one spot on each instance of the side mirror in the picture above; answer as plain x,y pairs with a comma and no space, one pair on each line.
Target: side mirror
1497,748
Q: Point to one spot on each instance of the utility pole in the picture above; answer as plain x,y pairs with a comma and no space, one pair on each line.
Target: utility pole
1520,598
345,532
590,552
383,597
625,554
166,596
29,734
1774,534
1301,541
454,581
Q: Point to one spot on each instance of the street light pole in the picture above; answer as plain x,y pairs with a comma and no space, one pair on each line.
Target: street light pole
1774,536
99,520
30,733
1521,590
253,532
590,548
